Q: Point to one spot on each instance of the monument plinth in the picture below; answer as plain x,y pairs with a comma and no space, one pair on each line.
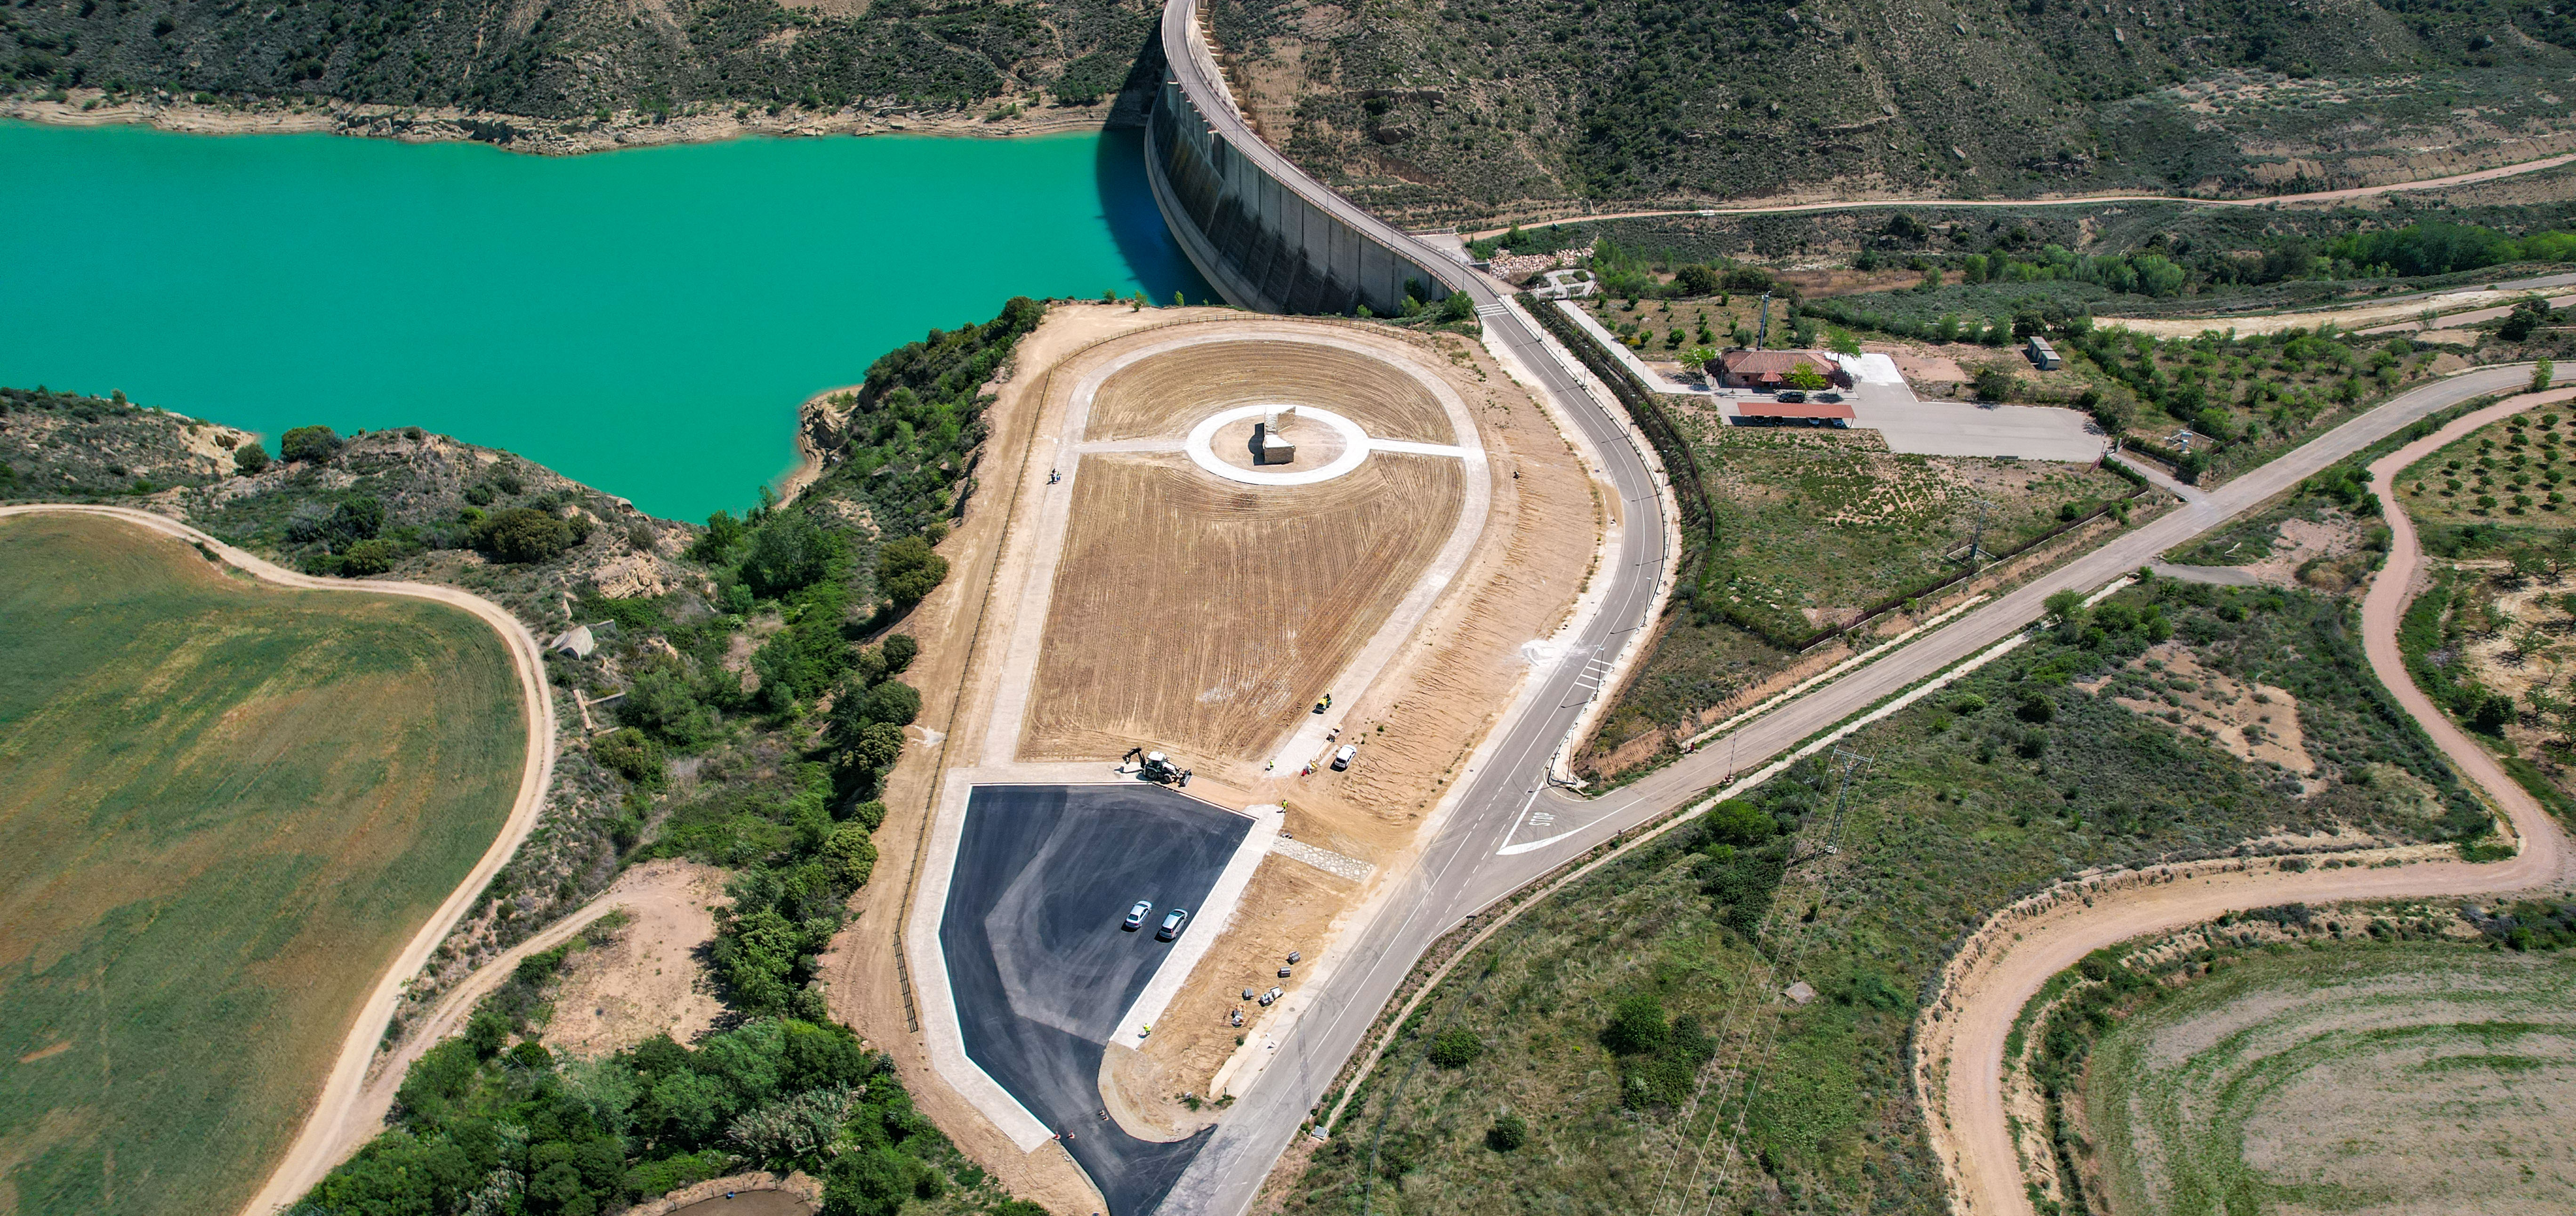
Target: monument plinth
1270,446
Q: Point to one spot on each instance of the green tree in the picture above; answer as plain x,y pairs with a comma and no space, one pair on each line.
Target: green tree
1805,377
851,855
907,570
2540,375
867,749
1737,822
373,556
1456,1047
250,458
315,444
899,649
660,702
1509,1132
524,534
789,552
1994,382
2524,320
628,753
1636,1026
1695,280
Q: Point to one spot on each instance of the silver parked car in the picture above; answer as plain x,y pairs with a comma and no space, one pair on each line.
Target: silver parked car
1172,922
1136,915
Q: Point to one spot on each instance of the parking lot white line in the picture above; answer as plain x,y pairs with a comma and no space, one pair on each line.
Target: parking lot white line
1211,918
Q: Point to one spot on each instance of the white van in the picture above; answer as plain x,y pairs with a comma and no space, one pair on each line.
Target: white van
1342,758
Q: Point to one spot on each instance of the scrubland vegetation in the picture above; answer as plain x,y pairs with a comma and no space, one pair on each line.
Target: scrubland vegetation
492,1121
1812,530
1516,108
578,59
757,724
1636,1017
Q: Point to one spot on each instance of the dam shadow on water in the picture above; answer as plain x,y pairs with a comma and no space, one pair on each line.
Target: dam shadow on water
645,320
1137,225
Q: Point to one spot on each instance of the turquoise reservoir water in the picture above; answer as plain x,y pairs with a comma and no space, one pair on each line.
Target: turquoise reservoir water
645,321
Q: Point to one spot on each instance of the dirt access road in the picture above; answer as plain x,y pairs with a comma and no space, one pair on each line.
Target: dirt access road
2081,200
1960,1040
334,1127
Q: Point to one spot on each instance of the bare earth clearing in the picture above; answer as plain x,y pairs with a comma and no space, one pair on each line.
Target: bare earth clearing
1203,618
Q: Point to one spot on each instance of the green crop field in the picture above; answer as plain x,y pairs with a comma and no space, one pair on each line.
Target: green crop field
2411,1077
224,806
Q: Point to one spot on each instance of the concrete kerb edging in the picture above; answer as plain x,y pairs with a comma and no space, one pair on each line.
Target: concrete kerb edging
1214,916
325,1137
945,1037
1669,506
1835,672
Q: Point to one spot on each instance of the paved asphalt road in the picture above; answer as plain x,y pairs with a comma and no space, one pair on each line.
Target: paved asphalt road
1238,1154
1038,961
1461,869
1462,872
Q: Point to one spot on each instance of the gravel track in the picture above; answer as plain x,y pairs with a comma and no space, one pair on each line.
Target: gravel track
1960,1042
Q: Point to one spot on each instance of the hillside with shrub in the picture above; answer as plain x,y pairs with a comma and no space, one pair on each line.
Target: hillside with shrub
1474,108
574,59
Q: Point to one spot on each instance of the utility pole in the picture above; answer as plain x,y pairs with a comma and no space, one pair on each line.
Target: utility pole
1763,333
1977,539
1850,761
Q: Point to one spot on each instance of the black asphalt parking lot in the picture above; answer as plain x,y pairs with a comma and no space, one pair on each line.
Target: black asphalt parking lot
1040,967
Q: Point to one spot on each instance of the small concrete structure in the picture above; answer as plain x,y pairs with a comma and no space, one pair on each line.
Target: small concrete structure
1270,446
2042,355
575,641
1788,413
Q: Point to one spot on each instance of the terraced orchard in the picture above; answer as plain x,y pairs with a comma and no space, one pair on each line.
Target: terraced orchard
2424,1076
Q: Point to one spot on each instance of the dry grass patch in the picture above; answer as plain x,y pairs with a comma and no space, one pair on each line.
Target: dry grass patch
1167,394
2255,722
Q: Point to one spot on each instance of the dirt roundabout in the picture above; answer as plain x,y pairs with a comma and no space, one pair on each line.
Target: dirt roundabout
1296,578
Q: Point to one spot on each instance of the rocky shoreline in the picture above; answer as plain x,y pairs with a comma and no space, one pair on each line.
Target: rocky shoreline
701,123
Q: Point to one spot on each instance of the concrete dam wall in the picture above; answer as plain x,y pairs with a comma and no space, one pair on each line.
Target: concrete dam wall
1265,234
